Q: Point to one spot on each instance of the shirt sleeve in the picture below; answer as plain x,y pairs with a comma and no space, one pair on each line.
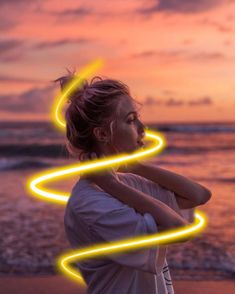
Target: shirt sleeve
125,223
166,196
187,213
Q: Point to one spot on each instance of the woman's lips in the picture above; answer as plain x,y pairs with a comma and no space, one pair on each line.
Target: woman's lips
139,140
140,143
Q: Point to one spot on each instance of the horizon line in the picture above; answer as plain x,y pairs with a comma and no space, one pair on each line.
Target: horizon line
149,123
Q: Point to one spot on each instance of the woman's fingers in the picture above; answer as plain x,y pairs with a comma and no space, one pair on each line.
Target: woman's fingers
84,157
88,156
93,156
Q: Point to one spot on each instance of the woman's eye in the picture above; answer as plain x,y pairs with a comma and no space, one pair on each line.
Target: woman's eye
130,120
133,119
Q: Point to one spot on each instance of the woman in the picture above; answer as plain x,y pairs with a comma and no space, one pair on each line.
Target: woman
103,120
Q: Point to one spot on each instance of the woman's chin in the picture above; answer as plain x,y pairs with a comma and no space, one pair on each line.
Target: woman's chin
138,147
132,148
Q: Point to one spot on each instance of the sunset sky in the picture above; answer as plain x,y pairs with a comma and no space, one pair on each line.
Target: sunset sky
176,56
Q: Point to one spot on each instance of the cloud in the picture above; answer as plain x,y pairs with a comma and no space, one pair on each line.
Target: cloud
230,17
14,2
181,6
6,45
206,100
11,50
11,79
217,25
160,53
144,54
168,92
173,102
15,49
208,56
12,12
227,42
180,54
50,44
40,100
150,101
77,12
6,24
187,41
35,100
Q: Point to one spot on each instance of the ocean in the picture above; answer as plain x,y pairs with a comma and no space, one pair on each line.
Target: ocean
32,233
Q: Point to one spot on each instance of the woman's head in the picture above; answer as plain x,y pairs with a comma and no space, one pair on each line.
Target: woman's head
97,120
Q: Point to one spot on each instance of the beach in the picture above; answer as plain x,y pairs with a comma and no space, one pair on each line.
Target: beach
61,285
33,230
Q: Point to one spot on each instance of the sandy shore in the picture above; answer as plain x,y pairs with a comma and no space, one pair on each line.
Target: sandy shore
61,285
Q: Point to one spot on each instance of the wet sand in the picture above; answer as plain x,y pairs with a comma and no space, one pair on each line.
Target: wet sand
61,285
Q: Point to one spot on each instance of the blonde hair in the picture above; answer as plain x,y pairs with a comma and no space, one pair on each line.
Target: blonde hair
93,104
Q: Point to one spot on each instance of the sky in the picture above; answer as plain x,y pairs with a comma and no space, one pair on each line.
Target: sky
176,56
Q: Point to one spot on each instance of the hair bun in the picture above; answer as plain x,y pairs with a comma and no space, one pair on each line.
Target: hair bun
64,80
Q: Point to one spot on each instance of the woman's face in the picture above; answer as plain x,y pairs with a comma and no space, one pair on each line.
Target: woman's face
129,132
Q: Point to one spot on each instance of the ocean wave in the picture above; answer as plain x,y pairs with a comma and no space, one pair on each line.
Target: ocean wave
49,150
59,150
6,164
213,255
223,266
25,163
48,127
196,128
216,179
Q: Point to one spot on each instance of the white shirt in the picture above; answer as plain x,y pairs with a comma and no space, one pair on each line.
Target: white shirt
94,216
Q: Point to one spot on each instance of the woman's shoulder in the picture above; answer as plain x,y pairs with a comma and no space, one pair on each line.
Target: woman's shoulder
128,177
89,200
135,180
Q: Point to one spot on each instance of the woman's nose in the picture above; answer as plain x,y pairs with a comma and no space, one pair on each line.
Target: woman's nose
141,127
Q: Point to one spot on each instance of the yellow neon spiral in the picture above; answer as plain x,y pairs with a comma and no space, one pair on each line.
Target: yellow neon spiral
63,263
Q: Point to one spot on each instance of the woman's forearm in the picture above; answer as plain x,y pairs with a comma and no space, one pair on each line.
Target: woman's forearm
164,216
180,185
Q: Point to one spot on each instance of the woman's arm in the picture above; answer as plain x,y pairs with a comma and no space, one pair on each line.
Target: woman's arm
189,193
165,217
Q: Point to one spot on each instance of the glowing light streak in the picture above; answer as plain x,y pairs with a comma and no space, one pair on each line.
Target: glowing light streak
64,261
99,164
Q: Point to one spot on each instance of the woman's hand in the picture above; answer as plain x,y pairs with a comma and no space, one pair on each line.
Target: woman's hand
101,177
131,167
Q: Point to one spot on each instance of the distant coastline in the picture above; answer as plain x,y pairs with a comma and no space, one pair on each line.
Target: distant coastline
44,122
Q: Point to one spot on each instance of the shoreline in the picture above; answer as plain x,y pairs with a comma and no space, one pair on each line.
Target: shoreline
192,275
62,285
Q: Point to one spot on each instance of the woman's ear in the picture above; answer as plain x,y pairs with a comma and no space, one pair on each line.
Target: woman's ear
101,134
